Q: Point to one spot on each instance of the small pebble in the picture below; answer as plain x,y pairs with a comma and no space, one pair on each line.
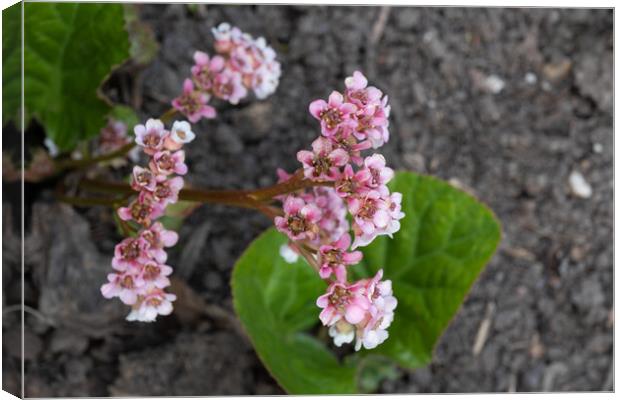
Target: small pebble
597,147
494,84
579,186
531,78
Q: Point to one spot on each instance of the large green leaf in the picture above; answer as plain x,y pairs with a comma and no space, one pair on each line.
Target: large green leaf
445,240
69,49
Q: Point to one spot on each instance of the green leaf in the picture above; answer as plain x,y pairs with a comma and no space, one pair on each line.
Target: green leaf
69,49
275,302
11,64
444,242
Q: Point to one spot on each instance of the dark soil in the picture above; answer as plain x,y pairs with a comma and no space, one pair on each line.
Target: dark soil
547,294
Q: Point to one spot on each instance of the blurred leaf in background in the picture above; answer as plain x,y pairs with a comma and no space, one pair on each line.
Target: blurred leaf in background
69,50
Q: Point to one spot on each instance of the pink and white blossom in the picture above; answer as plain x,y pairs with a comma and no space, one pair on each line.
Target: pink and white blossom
323,162
206,69
229,86
143,179
124,285
156,302
333,258
193,103
299,220
343,301
143,210
379,174
351,183
167,191
129,253
151,136
333,114
166,163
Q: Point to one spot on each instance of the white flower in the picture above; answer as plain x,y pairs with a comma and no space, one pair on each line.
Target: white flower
182,132
342,332
289,255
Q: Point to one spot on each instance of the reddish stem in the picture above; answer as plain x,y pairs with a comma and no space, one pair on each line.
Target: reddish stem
254,199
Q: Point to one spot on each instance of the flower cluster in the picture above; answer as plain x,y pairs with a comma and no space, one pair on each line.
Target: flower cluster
242,63
141,275
316,219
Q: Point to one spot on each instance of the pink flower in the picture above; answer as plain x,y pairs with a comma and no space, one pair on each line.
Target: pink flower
123,285
343,301
350,183
156,302
332,114
167,191
359,93
333,222
370,215
372,124
143,179
228,86
324,161
157,238
205,70
362,311
142,210
151,136
379,174
130,253
394,208
193,103
344,139
156,274
300,219
225,37
373,331
242,60
333,258
166,163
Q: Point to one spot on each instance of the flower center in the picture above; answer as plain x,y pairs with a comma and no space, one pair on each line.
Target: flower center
297,224
131,251
333,257
162,191
368,210
166,162
152,140
340,297
127,282
149,236
144,178
332,117
151,271
154,301
321,165
140,212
